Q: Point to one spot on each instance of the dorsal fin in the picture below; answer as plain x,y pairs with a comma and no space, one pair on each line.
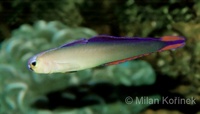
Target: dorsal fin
108,37
77,42
84,41
102,38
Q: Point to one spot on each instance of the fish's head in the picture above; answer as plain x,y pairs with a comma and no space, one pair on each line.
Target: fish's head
37,65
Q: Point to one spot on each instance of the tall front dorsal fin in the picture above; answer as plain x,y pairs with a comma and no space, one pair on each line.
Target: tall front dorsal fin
84,41
106,38
77,42
102,38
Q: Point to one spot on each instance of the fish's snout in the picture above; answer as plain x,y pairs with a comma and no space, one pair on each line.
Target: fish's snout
31,63
29,66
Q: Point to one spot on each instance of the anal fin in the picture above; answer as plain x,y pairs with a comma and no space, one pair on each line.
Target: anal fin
124,60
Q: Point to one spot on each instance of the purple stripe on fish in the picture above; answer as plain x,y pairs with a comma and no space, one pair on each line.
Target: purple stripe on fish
182,41
175,42
105,38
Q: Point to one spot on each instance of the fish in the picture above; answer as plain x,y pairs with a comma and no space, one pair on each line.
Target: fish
101,50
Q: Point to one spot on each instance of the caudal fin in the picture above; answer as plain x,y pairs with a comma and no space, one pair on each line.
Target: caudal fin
172,42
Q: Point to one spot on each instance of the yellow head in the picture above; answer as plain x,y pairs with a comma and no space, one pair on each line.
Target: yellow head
37,65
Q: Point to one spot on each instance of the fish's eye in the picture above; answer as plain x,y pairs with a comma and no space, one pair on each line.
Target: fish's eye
33,63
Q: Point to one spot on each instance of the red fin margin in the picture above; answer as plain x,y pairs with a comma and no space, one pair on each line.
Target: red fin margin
172,47
171,38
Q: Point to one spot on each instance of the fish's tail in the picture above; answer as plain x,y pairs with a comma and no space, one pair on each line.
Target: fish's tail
172,42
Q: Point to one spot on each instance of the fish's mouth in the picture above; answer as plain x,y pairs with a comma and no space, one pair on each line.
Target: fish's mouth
29,66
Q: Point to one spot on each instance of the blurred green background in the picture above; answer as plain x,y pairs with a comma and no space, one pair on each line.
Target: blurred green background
28,27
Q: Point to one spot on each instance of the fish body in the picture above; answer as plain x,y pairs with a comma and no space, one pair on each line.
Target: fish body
100,50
